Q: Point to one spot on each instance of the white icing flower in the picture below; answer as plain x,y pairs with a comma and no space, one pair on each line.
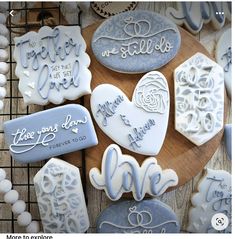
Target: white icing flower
152,95
182,104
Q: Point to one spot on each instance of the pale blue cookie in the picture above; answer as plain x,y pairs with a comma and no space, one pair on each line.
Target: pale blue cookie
50,133
228,139
136,42
147,216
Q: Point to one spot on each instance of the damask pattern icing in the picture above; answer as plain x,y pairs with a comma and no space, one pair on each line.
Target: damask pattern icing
199,98
194,14
52,65
121,173
140,125
214,196
223,55
60,198
50,133
132,41
147,216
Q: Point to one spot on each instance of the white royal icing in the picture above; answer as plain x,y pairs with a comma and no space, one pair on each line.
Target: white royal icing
140,125
214,196
55,61
199,98
60,198
121,173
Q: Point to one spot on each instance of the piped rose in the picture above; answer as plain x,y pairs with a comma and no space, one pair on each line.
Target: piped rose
152,94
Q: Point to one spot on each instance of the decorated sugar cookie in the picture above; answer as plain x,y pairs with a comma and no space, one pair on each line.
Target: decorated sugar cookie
52,65
60,198
147,216
136,41
139,125
223,56
199,98
214,196
194,14
121,173
49,133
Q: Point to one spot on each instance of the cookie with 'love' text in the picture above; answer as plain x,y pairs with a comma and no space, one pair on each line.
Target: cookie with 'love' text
121,173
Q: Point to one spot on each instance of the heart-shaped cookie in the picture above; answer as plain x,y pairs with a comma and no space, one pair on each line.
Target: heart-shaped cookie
139,125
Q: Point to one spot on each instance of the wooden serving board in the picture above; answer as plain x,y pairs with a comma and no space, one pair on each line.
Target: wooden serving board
178,152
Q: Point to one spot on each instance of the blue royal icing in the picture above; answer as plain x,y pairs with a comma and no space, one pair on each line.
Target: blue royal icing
131,42
147,216
122,173
50,133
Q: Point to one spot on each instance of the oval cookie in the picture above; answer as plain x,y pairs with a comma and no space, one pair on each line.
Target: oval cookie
136,41
147,216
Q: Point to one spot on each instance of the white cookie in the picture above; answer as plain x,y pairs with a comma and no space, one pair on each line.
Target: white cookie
214,196
52,65
61,198
121,173
199,98
139,125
